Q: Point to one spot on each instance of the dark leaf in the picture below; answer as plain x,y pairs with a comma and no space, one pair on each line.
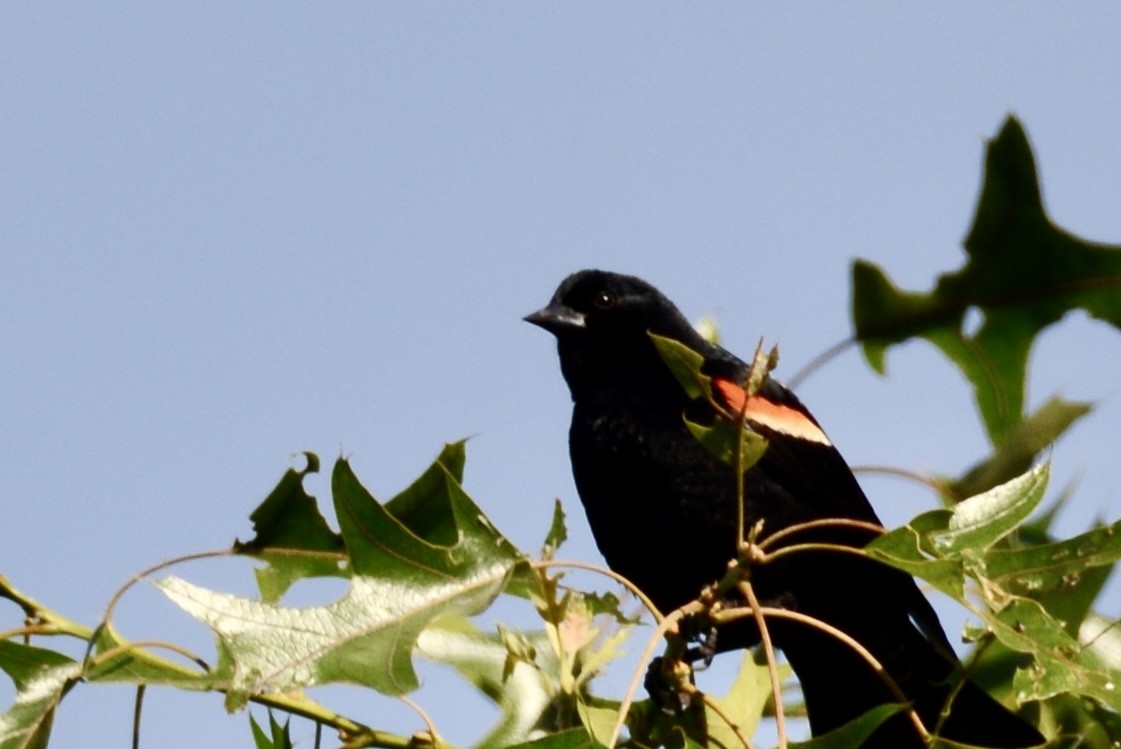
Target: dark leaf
1023,273
292,537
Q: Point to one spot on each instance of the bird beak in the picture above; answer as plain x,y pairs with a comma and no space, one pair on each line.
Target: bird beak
557,319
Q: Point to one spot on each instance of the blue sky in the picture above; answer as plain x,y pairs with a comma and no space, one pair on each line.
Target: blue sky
231,233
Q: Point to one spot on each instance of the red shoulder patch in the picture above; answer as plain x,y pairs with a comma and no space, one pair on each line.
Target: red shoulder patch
767,413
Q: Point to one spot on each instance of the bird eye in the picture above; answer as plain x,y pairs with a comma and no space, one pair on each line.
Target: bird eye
604,300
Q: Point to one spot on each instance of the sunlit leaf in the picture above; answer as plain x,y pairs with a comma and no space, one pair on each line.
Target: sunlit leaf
982,520
442,556
41,677
599,718
746,700
521,690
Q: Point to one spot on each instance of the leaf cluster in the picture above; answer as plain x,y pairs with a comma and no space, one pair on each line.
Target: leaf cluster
422,565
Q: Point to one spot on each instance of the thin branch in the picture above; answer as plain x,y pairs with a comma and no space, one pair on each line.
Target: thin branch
796,548
127,647
667,624
772,661
844,637
429,725
819,361
715,707
588,567
136,711
941,487
873,528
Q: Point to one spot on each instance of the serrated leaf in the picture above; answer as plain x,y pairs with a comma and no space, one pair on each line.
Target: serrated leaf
608,604
432,533
1023,273
41,677
1035,433
446,559
292,537
982,520
685,364
423,506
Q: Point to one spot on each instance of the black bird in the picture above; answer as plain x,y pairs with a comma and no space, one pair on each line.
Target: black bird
663,512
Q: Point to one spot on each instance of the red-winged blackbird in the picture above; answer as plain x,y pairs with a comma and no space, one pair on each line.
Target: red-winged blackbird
663,512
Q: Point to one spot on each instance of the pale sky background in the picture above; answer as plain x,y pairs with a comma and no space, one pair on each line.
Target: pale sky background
233,232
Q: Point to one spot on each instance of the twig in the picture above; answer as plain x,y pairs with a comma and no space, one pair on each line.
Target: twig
715,707
772,662
844,637
588,567
777,536
664,626
819,361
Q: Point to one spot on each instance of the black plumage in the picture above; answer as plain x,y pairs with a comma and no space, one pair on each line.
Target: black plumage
663,512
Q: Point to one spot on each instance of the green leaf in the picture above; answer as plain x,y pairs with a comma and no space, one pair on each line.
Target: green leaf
41,677
557,535
725,436
1082,723
574,738
442,557
746,700
117,662
685,364
1036,571
981,521
521,691
1023,273
852,733
599,718
1016,453
907,548
1061,665
292,536
720,440
431,534
428,510
278,737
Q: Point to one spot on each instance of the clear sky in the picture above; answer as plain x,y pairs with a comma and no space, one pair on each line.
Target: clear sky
233,232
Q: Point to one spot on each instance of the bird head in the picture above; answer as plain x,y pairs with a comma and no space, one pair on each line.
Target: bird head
602,323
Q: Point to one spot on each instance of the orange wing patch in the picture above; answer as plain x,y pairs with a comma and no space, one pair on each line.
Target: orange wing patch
769,414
